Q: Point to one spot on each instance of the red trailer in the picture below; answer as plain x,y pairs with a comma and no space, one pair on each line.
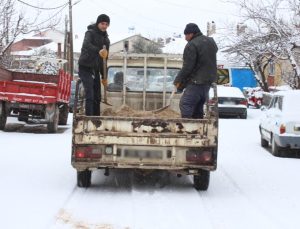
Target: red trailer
34,98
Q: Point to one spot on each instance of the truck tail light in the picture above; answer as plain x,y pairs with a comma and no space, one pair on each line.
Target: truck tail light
199,156
88,152
282,129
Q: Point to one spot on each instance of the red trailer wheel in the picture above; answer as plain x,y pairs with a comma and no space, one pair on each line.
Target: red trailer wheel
3,115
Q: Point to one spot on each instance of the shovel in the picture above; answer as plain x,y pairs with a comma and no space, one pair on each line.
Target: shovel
169,103
105,77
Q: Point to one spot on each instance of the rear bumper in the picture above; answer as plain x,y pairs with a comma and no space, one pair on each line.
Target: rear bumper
291,142
149,158
184,168
232,111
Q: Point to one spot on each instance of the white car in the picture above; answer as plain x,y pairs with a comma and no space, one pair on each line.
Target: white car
231,101
158,83
280,123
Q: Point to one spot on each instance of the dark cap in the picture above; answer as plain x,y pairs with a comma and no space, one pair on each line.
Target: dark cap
102,18
191,28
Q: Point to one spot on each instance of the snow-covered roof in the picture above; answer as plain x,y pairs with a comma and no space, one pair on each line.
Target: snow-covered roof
291,103
50,46
225,91
176,46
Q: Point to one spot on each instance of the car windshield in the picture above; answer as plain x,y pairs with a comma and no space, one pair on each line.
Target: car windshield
134,78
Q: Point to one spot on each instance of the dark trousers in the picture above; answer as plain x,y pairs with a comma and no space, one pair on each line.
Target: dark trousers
192,101
92,89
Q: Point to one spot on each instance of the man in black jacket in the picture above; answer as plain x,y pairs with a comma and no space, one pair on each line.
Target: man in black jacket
198,72
91,63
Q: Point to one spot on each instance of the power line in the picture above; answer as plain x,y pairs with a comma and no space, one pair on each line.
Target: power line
147,18
42,8
54,15
136,22
192,7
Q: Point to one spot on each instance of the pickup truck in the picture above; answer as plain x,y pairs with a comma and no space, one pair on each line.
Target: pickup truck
144,140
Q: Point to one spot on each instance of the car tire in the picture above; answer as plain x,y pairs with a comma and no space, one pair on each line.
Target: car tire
275,149
263,142
84,178
63,114
244,116
53,122
201,181
3,115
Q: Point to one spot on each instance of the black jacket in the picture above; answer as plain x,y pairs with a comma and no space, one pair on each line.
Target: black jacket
199,61
93,42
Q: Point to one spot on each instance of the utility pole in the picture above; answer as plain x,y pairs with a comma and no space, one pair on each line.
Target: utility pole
71,64
66,44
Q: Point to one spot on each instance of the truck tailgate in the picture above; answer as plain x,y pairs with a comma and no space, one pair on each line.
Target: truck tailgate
145,131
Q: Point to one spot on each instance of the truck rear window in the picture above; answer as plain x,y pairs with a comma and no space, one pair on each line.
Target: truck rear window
155,79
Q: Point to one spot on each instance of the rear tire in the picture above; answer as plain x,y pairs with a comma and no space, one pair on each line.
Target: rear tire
84,178
244,116
53,122
263,142
3,115
63,114
275,148
201,181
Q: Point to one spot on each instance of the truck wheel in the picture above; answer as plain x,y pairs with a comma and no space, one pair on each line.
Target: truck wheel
53,117
63,114
84,178
201,181
3,115
275,148
263,142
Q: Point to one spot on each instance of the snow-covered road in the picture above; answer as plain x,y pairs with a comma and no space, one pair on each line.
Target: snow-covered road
250,189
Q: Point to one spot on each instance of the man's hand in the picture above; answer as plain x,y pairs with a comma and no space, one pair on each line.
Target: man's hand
177,85
104,82
103,53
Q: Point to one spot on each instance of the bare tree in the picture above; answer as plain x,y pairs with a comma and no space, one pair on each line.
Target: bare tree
273,36
140,45
14,23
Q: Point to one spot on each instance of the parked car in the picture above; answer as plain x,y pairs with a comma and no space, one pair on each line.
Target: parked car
280,123
231,102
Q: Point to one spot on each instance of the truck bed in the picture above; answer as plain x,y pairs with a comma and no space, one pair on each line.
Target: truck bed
34,88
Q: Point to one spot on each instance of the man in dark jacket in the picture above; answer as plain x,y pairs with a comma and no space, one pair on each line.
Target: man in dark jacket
198,72
91,63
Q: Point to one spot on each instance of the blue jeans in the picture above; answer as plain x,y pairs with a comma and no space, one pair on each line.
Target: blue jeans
192,101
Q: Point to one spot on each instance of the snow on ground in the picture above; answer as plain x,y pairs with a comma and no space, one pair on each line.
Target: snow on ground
250,189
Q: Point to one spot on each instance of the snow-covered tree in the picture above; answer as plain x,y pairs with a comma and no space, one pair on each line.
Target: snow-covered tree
273,34
14,23
140,45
